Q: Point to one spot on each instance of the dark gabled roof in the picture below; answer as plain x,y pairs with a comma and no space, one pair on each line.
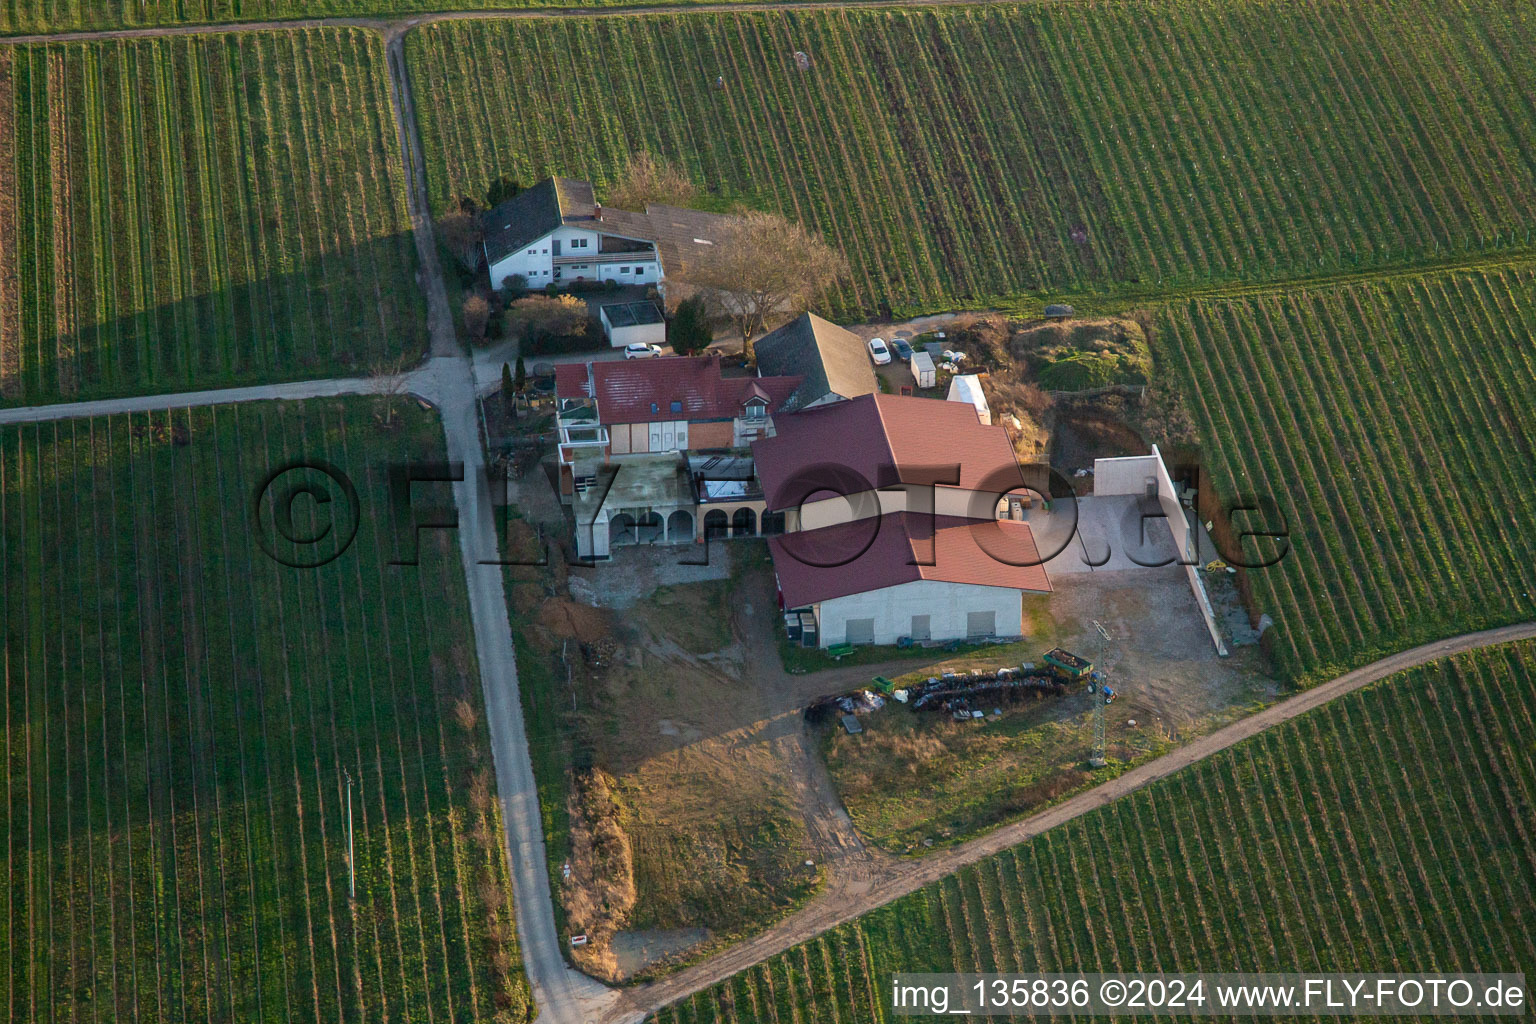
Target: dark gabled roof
682,237
534,213
833,360
904,547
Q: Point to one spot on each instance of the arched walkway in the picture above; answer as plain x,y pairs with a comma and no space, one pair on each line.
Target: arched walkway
649,529
772,524
680,526
743,523
716,523
621,530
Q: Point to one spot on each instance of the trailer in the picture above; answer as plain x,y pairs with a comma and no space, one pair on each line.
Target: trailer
923,370
1066,664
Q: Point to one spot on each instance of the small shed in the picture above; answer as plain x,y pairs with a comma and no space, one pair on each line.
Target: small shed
628,323
922,369
966,387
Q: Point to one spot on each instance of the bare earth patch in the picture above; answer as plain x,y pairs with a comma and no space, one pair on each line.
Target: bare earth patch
912,779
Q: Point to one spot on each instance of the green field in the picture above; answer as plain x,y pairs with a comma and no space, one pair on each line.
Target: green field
1389,831
1394,425
196,211
967,154
180,710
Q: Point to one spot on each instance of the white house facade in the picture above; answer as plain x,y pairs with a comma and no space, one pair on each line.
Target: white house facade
556,232
923,610
569,254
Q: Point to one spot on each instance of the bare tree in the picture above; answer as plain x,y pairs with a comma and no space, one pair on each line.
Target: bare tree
477,313
389,380
461,234
763,265
648,180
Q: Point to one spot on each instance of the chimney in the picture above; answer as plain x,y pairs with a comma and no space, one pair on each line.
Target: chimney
597,211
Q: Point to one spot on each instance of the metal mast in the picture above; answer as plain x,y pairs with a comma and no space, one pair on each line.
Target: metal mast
1098,679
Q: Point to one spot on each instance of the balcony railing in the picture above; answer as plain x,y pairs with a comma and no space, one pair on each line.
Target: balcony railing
565,260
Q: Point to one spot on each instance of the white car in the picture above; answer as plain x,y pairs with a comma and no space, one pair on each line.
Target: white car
878,352
640,350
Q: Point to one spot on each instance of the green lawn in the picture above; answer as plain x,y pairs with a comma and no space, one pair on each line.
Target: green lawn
199,211
180,713
969,155
1388,831
1393,424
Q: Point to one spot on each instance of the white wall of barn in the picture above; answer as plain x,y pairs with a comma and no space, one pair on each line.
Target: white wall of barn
947,606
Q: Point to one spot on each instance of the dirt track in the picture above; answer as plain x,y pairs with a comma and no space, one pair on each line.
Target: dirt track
845,899
393,27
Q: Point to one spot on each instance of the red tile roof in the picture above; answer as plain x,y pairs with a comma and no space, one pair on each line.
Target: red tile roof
571,380
644,390
880,440
903,547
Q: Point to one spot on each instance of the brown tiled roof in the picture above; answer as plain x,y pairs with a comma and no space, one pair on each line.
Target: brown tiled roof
903,547
879,441
644,390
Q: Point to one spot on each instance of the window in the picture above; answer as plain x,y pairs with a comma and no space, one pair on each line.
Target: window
655,408
533,252
677,406
756,410
623,270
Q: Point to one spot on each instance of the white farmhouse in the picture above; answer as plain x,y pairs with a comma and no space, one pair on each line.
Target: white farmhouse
556,232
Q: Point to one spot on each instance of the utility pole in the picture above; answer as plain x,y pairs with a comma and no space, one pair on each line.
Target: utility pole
351,863
1098,688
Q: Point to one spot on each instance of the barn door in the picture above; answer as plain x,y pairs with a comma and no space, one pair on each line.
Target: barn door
980,623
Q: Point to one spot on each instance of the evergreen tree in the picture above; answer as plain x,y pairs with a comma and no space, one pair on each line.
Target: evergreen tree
509,389
689,330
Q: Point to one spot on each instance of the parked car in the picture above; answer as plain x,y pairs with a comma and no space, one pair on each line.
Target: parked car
640,350
878,352
902,349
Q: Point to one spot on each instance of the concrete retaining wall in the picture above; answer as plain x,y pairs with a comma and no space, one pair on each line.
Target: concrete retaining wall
1131,476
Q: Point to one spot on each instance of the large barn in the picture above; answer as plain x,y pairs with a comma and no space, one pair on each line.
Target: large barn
873,559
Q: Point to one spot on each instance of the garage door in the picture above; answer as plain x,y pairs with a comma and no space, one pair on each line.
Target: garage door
861,631
920,628
980,623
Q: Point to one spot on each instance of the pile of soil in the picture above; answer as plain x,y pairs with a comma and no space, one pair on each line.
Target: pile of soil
1080,355
574,620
